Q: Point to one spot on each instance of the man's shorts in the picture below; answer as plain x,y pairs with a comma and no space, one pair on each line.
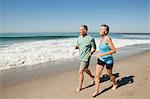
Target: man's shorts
84,64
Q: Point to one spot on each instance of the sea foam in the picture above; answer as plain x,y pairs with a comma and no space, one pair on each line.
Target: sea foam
35,52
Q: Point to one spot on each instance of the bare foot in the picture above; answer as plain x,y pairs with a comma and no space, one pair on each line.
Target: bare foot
114,87
78,90
93,81
95,94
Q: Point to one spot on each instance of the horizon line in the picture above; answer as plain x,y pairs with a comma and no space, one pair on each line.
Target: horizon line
69,32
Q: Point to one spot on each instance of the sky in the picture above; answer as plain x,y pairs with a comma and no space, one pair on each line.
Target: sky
125,16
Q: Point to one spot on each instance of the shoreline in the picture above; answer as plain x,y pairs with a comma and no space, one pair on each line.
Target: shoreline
11,63
28,73
132,75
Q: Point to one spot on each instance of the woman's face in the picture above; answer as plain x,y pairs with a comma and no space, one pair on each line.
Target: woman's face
103,31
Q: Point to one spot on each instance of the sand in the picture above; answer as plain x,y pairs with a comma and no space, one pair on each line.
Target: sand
132,74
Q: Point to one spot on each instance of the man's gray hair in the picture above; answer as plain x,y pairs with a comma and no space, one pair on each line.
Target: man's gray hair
85,27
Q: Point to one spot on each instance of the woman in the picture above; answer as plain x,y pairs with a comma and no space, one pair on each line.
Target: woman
104,57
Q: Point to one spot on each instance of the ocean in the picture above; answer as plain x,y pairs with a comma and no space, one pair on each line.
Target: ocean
23,49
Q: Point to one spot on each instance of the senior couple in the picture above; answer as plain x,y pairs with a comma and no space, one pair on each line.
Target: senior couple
86,45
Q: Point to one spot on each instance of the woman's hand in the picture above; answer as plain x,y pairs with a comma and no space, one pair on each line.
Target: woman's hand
99,55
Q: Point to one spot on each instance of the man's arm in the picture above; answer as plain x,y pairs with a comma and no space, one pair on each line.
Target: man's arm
77,45
94,46
94,49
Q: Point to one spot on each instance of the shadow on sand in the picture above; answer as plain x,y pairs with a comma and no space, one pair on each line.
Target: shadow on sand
104,78
121,82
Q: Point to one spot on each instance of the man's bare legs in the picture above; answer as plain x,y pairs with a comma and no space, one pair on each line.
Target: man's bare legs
88,72
81,78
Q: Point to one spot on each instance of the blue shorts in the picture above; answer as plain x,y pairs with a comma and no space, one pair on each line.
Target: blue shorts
102,63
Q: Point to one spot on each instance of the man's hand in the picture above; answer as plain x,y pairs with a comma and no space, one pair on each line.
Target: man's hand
90,54
76,47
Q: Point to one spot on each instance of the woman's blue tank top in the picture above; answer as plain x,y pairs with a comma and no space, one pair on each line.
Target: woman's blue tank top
103,48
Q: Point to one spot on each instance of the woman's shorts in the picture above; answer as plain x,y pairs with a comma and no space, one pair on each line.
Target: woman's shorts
102,63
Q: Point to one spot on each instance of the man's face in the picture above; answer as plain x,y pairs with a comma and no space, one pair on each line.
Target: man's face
82,31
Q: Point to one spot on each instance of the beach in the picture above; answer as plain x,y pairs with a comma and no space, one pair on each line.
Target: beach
44,82
43,44
41,66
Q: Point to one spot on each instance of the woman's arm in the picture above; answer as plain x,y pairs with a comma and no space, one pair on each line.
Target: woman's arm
112,47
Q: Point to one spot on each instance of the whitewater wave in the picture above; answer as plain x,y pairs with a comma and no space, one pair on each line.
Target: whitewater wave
35,52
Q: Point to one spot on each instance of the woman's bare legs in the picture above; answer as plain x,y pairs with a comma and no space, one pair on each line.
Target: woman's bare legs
99,70
112,77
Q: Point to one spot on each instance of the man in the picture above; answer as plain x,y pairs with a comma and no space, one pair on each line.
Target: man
85,43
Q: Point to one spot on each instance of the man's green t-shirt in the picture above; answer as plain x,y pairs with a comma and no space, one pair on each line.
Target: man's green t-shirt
85,45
